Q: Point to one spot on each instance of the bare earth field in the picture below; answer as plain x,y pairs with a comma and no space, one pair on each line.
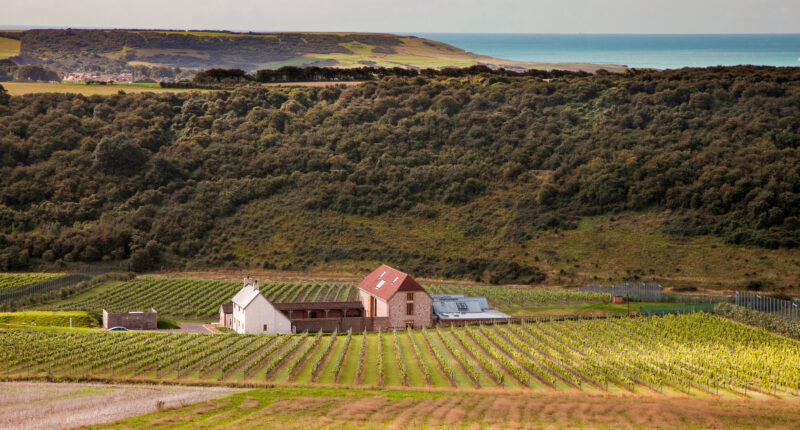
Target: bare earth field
320,408
44,405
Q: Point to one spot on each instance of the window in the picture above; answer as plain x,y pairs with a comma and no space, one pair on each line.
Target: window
410,297
265,327
462,307
409,309
380,284
409,324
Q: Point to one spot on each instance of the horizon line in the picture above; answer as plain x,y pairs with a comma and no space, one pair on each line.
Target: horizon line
400,33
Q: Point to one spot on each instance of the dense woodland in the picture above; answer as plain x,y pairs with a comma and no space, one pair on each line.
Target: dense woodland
154,178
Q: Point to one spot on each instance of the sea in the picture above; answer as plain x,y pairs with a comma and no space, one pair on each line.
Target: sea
657,51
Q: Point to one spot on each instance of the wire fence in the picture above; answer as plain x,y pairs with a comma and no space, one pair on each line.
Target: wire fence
789,309
677,309
635,290
647,292
43,287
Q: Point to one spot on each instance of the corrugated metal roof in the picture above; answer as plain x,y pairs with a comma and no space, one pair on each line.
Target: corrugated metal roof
245,296
384,281
458,307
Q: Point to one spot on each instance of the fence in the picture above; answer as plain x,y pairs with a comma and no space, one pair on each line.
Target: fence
676,309
788,309
695,298
636,290
43,287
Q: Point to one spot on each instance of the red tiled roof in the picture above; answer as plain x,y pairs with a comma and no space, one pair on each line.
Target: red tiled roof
385,281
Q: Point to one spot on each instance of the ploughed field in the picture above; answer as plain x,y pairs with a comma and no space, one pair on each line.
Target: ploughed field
696,354
202,298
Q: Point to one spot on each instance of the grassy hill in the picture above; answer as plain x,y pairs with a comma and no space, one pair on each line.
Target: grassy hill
687,177
72,50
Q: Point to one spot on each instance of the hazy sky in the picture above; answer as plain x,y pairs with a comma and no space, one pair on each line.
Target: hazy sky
409,16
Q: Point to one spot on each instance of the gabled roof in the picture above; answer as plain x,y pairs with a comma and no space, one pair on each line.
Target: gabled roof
245,296
385,281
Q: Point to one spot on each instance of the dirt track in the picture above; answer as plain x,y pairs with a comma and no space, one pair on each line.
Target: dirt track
43,405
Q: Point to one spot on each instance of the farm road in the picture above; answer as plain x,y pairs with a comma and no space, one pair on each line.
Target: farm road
44,405
191,328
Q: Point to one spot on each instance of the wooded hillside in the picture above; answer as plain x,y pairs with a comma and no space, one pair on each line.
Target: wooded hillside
294,177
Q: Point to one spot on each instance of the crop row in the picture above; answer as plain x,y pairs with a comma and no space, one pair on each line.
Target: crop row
193,297
10,280
687,353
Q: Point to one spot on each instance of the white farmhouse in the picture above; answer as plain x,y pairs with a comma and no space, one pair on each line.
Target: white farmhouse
254,314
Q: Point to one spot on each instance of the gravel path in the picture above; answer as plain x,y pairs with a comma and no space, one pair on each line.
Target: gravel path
45,405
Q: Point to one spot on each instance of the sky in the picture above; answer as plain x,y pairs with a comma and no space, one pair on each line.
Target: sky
415,16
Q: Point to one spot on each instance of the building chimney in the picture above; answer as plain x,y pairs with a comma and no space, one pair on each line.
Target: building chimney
256,285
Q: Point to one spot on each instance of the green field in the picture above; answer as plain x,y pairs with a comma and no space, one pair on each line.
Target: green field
325,408
22,88
696,354
46,319
10,280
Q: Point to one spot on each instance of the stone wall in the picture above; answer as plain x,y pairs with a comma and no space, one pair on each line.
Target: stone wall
423,310
131,321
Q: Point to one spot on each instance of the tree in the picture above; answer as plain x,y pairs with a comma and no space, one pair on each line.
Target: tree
4,97
118,155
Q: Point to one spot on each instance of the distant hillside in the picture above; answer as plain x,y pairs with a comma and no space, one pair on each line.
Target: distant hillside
682,177
81,50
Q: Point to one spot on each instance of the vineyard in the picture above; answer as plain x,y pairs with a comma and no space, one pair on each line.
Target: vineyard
692,354
193,297
202,298
10,280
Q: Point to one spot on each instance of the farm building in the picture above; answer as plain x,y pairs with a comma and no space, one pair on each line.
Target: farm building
326,316
251,313
254,314
394,299
225,315
456,309
131,320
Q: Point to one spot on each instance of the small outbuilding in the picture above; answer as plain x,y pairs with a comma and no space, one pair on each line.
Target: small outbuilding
225,315
455,308
131,320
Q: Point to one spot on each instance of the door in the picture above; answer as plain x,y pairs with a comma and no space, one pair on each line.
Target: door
373,304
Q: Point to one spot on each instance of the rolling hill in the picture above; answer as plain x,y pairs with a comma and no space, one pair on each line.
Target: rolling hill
77,50
686,177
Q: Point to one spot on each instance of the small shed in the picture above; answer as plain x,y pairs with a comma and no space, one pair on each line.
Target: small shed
618,299
131,320
225,315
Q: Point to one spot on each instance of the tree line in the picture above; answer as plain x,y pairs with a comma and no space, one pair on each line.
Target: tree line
211,78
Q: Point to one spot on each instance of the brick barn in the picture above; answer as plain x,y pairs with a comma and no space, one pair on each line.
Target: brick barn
393,299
